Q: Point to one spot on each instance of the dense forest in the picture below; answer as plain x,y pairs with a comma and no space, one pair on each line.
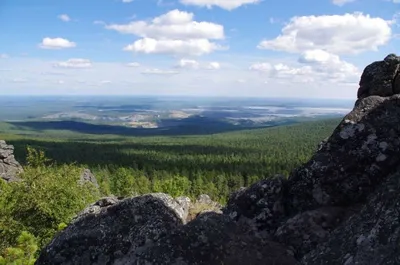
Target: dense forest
32,211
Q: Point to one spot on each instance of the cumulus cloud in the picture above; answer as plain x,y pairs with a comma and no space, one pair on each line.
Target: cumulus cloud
64,17
185,63
341,2
339,34
74,63
185,47
156,71
225,4
134,64
175,32
315,65
213,66
56,43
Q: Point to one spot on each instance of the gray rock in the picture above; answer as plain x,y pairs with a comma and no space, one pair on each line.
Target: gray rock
371,237
185,203
88,177
9,167
262,202
111,230
378,78
361,152
306,230
212,239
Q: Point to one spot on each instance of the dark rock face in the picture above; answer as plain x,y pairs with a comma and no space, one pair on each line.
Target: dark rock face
111,230
361,152
9,167
378,78
370,237
341,207
306,230
261,202
213,239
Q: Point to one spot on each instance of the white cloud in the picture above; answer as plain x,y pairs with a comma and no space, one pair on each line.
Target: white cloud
339,34
105,82
185,63
184,47
127,1
64,17
172,25
225,4
3,56
56,43
74,63
156,71
315,66
341,2
213,66
134,64
175,32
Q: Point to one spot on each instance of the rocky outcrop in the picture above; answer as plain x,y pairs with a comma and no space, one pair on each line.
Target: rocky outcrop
112,229
263,202
213,239
341,207
88,177
9,167
381,78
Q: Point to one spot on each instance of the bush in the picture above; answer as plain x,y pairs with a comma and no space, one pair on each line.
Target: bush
46,197
23,253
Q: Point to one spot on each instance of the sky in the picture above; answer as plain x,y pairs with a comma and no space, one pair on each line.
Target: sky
235,48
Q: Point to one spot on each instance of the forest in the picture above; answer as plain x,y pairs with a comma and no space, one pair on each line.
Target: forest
32,211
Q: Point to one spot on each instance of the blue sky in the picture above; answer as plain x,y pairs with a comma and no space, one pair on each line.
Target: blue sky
308,48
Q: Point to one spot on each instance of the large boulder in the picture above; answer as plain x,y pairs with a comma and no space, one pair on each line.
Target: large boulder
361,152
262,203
213,239
307,230
379,78
9,167
111,229
369,238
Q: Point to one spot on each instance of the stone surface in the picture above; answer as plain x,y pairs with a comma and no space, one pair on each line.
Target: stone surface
362,150
112,230
213,239
261,202
378,78
369,238
9,167
88,176
306,230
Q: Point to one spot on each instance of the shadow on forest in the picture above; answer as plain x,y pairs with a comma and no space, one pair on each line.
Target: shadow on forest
177,158
190,126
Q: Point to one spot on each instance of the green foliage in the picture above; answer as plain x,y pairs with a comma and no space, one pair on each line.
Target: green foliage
23,253
50,194
36,158
45,198
175,186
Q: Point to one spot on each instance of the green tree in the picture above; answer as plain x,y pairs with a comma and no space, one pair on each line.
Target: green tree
22,254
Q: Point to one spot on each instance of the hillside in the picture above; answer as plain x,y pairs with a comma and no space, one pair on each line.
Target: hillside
340,207
216,164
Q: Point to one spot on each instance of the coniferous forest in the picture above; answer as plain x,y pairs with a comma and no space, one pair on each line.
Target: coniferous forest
32,211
